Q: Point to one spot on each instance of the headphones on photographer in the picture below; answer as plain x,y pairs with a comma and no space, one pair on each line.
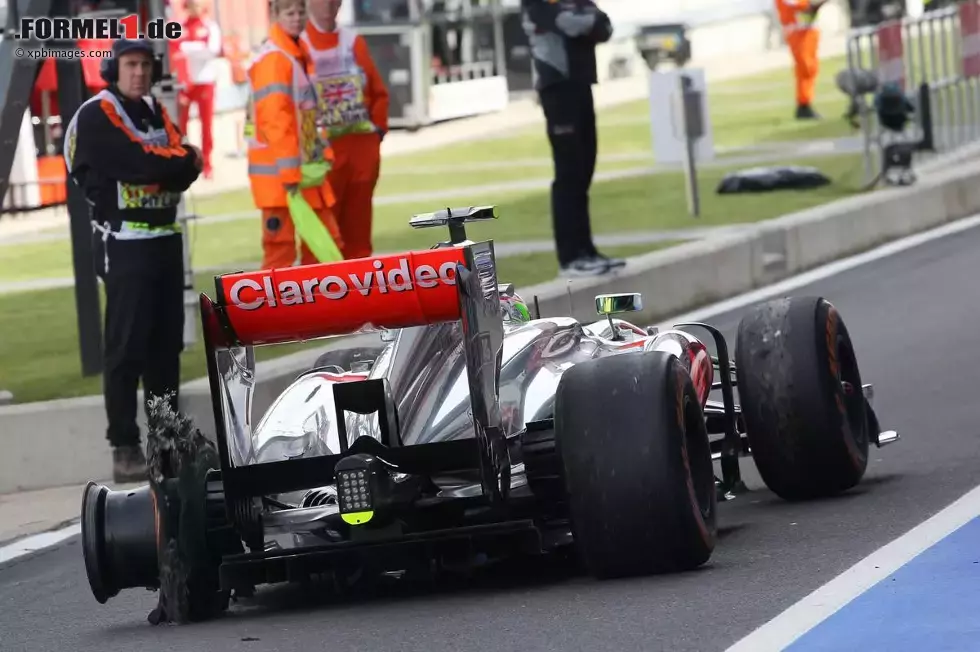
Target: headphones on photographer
109,66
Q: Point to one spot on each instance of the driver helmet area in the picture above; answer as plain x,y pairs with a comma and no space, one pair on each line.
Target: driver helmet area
513,308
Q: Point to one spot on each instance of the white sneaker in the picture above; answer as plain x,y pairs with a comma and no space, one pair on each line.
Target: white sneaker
584,267
613,263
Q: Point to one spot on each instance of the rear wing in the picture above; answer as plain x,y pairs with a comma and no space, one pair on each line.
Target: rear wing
456,281
295,304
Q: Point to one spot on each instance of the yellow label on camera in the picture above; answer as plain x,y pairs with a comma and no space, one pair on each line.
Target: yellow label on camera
357,518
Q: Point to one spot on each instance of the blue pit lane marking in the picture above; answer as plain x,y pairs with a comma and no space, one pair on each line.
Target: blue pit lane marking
931,604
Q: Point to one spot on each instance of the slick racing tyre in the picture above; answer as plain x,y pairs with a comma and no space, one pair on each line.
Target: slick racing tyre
800,391
637,465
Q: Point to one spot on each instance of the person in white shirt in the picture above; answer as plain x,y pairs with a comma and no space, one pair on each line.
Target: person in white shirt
198,51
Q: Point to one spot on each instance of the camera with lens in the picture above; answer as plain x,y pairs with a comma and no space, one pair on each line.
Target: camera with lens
894,110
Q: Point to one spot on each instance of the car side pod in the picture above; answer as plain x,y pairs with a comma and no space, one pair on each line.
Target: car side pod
118,539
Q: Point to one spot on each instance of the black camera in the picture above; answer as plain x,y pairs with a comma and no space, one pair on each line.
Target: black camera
895,110
893,107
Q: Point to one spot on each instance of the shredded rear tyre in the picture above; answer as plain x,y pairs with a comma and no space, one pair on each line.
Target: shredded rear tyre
179,460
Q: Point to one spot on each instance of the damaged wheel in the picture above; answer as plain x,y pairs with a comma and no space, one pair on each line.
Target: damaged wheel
181,461
188,566
118,540
169,535
799,387
634,449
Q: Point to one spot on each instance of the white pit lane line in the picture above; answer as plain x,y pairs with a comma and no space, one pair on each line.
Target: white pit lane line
38,542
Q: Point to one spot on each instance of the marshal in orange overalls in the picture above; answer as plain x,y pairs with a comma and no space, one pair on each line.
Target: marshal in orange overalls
354,114
283,138
798,18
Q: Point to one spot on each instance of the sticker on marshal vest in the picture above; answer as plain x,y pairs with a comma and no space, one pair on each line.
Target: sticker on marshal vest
43,28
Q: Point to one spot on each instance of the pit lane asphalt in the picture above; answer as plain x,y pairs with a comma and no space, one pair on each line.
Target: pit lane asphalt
914,318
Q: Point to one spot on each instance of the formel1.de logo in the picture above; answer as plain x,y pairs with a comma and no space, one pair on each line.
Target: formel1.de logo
43,28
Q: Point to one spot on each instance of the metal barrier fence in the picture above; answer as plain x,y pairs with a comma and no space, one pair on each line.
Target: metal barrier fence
33,196
464,72
935,60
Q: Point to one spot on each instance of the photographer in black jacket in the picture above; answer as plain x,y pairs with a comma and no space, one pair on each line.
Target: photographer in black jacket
563,36
123,149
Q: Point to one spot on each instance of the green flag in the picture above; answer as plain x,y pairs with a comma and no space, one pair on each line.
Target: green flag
312,231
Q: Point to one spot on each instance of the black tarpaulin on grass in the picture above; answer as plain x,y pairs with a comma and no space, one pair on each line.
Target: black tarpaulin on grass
766,179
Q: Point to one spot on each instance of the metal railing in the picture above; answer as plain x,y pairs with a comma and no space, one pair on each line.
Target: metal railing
34,196
935,60
464,72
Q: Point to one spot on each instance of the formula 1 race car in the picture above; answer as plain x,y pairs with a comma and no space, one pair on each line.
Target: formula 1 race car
473,428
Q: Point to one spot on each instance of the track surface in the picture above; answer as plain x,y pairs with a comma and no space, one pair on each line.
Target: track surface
914,319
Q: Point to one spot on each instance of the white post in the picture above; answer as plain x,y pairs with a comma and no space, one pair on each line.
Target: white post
914,8
24,191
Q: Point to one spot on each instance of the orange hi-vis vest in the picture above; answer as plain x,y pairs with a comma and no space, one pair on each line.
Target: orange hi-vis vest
340,85
284,146
795,15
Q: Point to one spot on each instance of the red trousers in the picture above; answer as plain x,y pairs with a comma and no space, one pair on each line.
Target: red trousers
203,96
356,167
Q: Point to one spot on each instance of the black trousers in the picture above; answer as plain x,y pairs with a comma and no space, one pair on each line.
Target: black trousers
144,326
569,111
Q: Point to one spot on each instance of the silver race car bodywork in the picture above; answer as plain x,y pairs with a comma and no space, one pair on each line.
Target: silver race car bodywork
425,367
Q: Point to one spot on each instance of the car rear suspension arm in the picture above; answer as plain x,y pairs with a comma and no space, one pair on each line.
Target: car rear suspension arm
731,474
